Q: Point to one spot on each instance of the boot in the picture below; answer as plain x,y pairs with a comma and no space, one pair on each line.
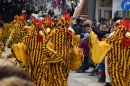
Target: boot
107,84
101,79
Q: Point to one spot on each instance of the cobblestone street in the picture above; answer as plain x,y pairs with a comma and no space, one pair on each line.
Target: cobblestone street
83,79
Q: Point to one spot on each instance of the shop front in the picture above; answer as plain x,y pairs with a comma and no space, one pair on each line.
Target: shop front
108,9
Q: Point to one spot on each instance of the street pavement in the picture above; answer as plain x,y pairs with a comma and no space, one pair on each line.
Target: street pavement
56,10
75,79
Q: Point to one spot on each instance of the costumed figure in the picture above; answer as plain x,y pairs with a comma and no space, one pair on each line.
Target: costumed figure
16,18
48,24
8,27
49,60
1,36
17,32
117,48
29,52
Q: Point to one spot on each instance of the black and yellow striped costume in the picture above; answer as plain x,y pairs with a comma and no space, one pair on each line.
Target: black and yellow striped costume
119,59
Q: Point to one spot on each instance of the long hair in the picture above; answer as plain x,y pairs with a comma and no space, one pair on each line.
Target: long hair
14,81
9,71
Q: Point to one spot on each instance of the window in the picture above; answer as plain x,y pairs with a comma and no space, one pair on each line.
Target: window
108,14
99,13
105,3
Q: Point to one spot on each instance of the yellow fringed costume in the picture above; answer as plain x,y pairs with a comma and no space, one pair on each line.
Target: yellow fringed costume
98,48
17,32
49,62
118,55
4,33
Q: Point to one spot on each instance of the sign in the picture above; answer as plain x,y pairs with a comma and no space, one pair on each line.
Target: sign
125,5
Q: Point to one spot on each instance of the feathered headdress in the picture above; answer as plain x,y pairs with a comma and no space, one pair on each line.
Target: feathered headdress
23,16
16,16
40,27
125,22
47,21
39,24
126,25
67,16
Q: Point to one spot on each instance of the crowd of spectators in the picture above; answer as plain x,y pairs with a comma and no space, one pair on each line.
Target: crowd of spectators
102,29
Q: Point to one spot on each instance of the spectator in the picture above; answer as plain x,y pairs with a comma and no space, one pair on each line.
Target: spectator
86,28
9,71
78,27
55,20
84,45
14,81
11,76
95,23
51,13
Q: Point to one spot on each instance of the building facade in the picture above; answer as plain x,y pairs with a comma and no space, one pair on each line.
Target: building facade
106,8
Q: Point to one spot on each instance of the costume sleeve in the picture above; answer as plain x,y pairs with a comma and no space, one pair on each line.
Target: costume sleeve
51,55
98,32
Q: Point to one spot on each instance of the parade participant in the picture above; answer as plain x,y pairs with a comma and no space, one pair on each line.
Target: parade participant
49,60
118,60
16,18
17,32
34,39
1,36
112,31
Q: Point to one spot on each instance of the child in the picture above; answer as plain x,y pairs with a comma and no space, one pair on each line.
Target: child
84,45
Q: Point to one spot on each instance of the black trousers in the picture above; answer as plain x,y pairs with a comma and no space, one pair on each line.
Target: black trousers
85,64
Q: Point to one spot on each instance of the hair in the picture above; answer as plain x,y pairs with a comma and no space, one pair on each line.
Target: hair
86,25
78,20
116,18
102,20
1,23
6,63
55,16
14,81
9,71
94,20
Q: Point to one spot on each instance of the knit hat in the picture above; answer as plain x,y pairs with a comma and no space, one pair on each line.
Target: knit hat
86,36
82,35
88,22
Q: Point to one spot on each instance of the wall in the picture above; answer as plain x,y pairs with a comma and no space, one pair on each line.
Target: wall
91,9
116,6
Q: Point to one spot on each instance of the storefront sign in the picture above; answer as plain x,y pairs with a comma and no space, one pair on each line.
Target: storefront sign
125,4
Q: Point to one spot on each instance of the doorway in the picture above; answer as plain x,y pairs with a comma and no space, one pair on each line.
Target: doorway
104,9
